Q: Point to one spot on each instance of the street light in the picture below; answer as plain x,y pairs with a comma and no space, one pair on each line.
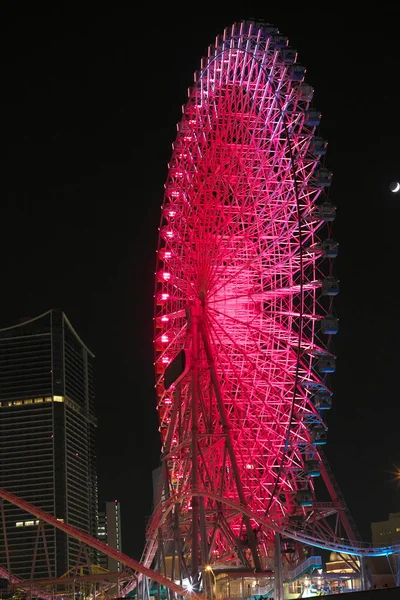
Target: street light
209,569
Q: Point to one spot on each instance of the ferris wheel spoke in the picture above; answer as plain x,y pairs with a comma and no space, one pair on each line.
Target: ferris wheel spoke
270,331
248,363
257,258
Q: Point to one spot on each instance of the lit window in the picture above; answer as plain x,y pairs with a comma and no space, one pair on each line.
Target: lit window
9,403
17,402
19,524
48,399
29,523
61,520
38,400
58,398
29,401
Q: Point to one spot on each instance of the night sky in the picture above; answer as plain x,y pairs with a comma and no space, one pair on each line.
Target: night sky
90,98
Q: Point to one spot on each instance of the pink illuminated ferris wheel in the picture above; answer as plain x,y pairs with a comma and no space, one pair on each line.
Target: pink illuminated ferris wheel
244,310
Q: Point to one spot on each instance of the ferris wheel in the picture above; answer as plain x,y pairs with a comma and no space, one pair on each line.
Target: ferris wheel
244,314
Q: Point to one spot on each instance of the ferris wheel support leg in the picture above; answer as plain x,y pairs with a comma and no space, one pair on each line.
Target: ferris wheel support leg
278,581
195,432
225,424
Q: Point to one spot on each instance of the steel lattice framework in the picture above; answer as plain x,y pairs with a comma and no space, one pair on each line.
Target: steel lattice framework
244,311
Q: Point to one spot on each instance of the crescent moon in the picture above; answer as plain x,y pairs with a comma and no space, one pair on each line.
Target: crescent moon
397,188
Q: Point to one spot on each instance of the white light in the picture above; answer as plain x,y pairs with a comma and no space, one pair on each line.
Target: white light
394,187
187,585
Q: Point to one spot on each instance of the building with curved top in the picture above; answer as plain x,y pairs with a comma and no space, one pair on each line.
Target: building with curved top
47,441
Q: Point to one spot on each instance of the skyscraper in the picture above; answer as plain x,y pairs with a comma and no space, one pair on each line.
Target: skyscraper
47,441
110,532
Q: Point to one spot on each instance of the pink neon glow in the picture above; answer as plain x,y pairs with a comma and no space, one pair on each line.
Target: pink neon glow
165,254
243,288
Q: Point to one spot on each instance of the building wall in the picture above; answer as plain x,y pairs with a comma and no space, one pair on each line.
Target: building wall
47,440
385,533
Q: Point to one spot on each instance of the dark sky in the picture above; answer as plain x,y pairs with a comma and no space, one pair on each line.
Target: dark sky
90,98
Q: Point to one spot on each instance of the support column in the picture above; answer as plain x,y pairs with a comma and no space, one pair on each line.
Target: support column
278,579
363,574
195,432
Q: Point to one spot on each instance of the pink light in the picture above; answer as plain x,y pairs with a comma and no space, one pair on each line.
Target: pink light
165,360
166,276
164,319
170,211
164,297
164,339
167,233
165,254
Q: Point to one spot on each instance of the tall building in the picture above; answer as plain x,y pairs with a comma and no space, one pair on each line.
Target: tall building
47,441
109,532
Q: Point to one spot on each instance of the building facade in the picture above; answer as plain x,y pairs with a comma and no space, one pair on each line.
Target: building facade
109,532
47,442
386,533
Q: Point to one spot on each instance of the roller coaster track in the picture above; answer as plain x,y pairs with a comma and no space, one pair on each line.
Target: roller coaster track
143,567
